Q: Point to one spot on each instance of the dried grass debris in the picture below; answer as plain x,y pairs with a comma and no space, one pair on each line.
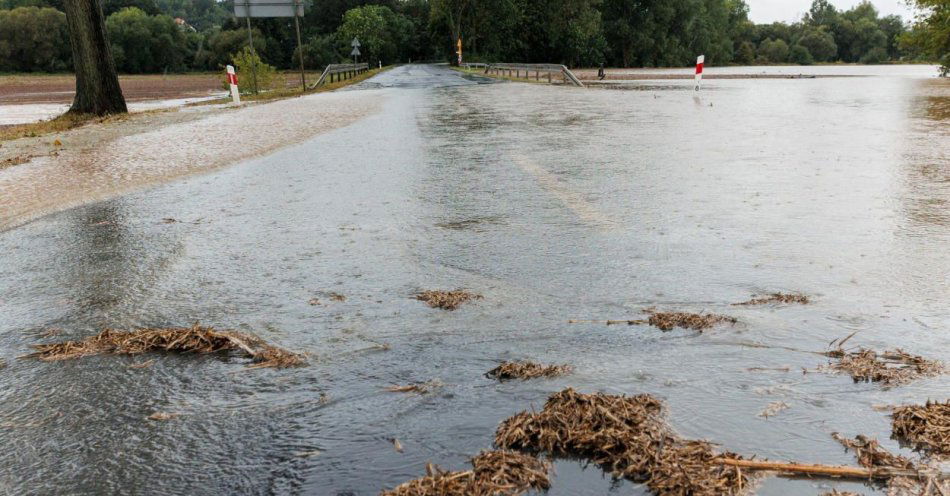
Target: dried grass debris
925,427
777,298
194,339
666,321
494,473
527,370
870,454
162,416
890,368
419,387
446,300
835,492
628,436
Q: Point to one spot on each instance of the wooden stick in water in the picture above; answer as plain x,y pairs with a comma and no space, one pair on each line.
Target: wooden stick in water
828,470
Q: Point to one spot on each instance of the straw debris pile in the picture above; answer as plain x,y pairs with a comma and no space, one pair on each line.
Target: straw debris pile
890,368
446,300
666,321
927,427
494,473
194,339
776,298
628,436
870,454
527,370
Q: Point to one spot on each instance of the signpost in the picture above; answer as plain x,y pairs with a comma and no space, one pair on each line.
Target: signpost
356,49
273,8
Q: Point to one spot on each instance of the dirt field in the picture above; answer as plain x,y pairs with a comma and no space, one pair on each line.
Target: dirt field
59,88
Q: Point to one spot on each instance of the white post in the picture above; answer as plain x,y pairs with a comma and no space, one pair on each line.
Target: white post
699,70
233,82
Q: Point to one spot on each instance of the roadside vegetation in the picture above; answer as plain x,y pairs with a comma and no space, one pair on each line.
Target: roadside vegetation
160,36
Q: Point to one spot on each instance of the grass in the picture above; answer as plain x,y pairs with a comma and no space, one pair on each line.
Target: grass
282,93
59,124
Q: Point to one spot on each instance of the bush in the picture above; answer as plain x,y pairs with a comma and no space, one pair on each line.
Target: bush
34,39
800,55
144,43
773,51
746,53
876,55
250,68
321,51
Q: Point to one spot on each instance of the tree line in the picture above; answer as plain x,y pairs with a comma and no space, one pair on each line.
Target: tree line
148,36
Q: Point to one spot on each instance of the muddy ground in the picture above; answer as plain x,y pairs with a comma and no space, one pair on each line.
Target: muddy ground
59,88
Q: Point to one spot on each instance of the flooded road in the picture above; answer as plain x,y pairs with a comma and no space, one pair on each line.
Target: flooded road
555,203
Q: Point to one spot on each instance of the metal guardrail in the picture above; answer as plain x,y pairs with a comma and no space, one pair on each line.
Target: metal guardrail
475,65
340,72
550,69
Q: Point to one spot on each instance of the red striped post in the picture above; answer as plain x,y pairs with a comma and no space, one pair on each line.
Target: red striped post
699,70
233,82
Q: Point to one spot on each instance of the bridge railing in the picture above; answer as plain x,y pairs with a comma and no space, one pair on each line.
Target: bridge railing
549,70
340,72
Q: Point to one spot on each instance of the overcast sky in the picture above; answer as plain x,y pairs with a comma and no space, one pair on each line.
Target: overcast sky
762,11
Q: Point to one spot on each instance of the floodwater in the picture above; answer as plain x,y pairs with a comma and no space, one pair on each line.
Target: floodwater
555,203
34,112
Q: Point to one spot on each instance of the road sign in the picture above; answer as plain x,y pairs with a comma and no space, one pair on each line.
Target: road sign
355,52
268,8
355,43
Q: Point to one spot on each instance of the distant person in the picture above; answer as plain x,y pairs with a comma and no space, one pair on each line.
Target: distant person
601,73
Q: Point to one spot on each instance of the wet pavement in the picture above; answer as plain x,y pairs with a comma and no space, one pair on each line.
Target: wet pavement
555,203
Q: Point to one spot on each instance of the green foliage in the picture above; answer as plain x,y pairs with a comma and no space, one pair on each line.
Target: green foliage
320,51
112,6
33,39
383,34
820,43
746,53
649,33
143,43
773,51
930,36
800,55
250,70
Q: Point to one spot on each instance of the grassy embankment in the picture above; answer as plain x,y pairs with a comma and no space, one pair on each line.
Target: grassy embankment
69,121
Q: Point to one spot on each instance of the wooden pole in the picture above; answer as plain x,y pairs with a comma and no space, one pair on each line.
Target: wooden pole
828,470
303,77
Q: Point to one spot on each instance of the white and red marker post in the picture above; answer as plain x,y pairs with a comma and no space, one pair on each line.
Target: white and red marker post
232,81
699,70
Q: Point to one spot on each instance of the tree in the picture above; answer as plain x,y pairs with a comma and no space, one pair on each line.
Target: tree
931,34
822,13
800,55
773,51
144,43
33,39
97,84
745,55
820,44
383,34
448,13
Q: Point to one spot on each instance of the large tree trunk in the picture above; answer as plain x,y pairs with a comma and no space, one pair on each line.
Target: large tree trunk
97,85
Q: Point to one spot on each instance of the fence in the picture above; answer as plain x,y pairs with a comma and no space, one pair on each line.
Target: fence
340,72
515,70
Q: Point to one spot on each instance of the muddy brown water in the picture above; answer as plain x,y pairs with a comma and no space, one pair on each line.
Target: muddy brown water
552,202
